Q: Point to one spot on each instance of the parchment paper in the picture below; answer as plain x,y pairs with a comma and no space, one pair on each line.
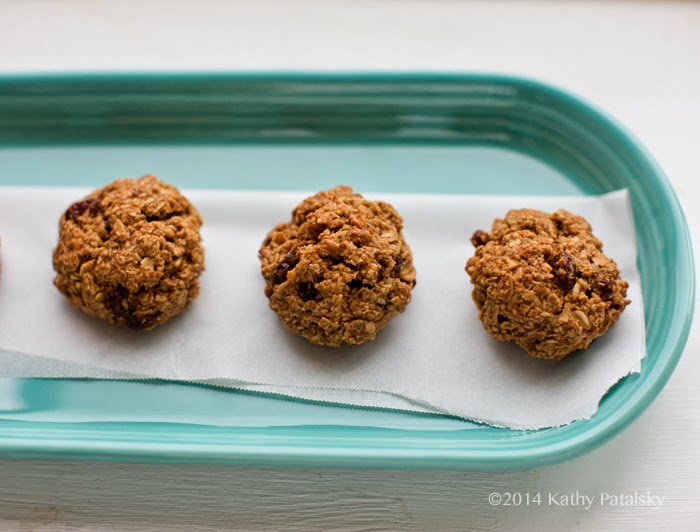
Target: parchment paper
435,357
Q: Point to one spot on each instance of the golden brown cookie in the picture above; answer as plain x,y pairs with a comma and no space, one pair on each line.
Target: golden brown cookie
130,253
543,282
340,269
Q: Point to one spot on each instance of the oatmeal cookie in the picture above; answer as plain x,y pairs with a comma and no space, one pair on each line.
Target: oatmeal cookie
542,281
130,253
340,269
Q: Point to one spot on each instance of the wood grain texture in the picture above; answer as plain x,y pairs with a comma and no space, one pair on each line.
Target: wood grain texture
636,60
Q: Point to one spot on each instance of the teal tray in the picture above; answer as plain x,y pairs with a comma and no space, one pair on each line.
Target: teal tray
390,133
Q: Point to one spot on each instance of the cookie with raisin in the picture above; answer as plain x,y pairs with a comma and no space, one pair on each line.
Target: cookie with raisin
543,281
340,269
130,253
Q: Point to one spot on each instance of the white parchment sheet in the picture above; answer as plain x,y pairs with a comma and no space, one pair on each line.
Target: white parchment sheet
434,357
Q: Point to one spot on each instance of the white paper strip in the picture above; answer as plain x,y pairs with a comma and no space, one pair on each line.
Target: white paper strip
435,357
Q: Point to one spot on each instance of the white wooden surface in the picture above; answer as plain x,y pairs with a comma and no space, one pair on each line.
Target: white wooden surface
640,61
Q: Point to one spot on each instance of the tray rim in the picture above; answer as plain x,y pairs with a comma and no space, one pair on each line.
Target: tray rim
16,441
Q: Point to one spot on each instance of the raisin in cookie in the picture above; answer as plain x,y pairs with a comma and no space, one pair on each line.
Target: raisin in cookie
340,269
130,253
542,281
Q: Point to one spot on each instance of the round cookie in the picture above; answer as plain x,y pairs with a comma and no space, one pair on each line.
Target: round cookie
130,253
340,269
543,282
